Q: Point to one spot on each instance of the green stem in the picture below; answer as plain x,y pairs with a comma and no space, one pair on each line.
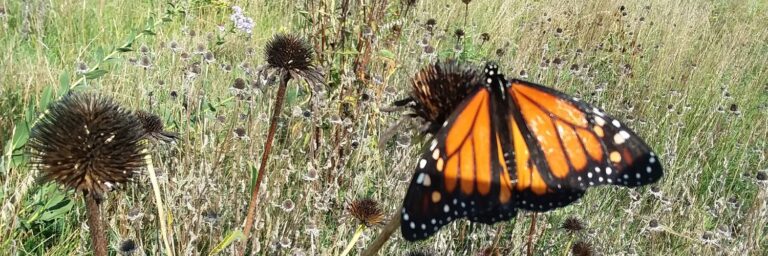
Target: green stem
159,202
352,242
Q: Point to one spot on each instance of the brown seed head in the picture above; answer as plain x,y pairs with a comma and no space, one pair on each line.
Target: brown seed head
582,248
431,23
438,89
87,142
420,253
153,127
573,224
458,33
367,211
289,52
485,37
128,247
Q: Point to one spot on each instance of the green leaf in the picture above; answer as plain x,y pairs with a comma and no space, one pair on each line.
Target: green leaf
64,82
99,53
236,234
129,39
96,74
19,158
21,134
46,97
211,107
386,54
124,49
148,32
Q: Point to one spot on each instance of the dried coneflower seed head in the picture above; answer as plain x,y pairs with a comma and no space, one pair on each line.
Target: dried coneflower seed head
582,248
459,33
431,23
239,84
153,127
420,253
573,224
127,247
485,37
438,89
762,176
87,142
289,52
367,211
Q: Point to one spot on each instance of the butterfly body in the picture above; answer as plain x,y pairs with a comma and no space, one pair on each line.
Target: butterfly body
517,145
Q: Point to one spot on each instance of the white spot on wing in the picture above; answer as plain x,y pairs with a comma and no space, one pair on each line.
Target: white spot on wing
618,139
599,121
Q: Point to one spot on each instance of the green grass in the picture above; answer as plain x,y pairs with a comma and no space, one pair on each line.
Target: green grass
673,77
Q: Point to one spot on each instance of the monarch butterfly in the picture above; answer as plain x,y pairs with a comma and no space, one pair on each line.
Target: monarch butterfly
509,145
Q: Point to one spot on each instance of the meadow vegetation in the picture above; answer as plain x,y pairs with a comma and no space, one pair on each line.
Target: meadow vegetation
688,76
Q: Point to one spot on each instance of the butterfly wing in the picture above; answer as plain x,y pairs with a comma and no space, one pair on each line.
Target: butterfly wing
463,173
562,146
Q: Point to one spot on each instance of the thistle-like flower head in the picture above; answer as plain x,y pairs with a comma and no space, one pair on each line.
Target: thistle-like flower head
438,89
87,142
367,211
292,54
153,127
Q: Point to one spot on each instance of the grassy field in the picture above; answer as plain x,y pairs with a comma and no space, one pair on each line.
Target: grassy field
688,76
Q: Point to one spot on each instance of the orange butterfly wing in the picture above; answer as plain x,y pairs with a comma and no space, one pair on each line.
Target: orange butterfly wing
462,174
565,146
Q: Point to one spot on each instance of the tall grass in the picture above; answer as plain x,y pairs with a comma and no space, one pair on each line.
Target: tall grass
688,76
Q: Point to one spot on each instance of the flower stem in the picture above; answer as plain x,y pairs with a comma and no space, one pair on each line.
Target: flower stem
531,233
98,237
159,202
355,237
384,236
264,157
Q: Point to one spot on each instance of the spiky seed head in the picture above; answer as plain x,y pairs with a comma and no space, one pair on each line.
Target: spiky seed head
87,142
289,52
582,248
409,2
153,127
239,84
459,33
420,253
485,37
438,89
431,23
367,211
762,176
573,225
128,247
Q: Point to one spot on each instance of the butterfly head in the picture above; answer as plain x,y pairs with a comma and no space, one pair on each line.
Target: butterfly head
494,78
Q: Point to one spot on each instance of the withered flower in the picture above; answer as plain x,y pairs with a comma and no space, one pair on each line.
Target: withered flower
437,90
87,142
367,211
573,225
582,248
153,128
292,54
